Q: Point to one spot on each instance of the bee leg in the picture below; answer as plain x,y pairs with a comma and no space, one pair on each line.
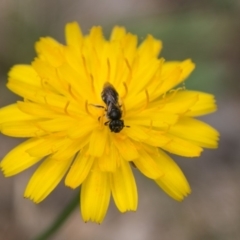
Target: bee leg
133,164
106,123
98,106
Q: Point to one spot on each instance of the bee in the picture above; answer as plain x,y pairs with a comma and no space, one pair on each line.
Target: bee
114,113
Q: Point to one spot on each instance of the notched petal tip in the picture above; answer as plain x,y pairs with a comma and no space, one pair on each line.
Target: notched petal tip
117,33
46,178
93,220
31,198
72,24
73,35
174,183
123,188
150,47
3,171
96,34
95,196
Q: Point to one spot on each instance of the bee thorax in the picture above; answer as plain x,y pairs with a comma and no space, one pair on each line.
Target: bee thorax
114,114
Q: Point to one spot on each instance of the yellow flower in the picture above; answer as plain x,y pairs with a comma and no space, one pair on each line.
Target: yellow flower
67,121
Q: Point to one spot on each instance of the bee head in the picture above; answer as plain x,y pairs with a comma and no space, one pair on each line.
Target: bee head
116,125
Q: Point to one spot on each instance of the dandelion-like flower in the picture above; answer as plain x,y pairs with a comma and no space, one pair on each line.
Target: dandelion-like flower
70,123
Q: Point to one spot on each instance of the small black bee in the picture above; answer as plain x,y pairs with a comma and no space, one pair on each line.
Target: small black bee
114,112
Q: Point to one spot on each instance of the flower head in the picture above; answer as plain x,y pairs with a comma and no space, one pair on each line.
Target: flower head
93,109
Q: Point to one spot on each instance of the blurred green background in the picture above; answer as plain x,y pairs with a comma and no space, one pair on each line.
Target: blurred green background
206,31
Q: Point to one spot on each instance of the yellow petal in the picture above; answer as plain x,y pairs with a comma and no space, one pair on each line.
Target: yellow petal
18,159
147,165
196,132
172,74
96,61
83,128
125,147
22,129
98,142
124,188
129,47
147,135
187,66
74,61
110,160
206,104
36,109
70,148
47,146
199,103
169,79
27,91
79,169
49,77
74,35
50,51
116,68
95,196
112,61
96,37
49,100
166,82
153,118
46,178
12,113
150,47
173,182
117,33
175,105
26,74
142,78
60,123
181,147
94,57
70,77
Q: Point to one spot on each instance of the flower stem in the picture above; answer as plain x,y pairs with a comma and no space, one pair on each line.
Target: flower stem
63,216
